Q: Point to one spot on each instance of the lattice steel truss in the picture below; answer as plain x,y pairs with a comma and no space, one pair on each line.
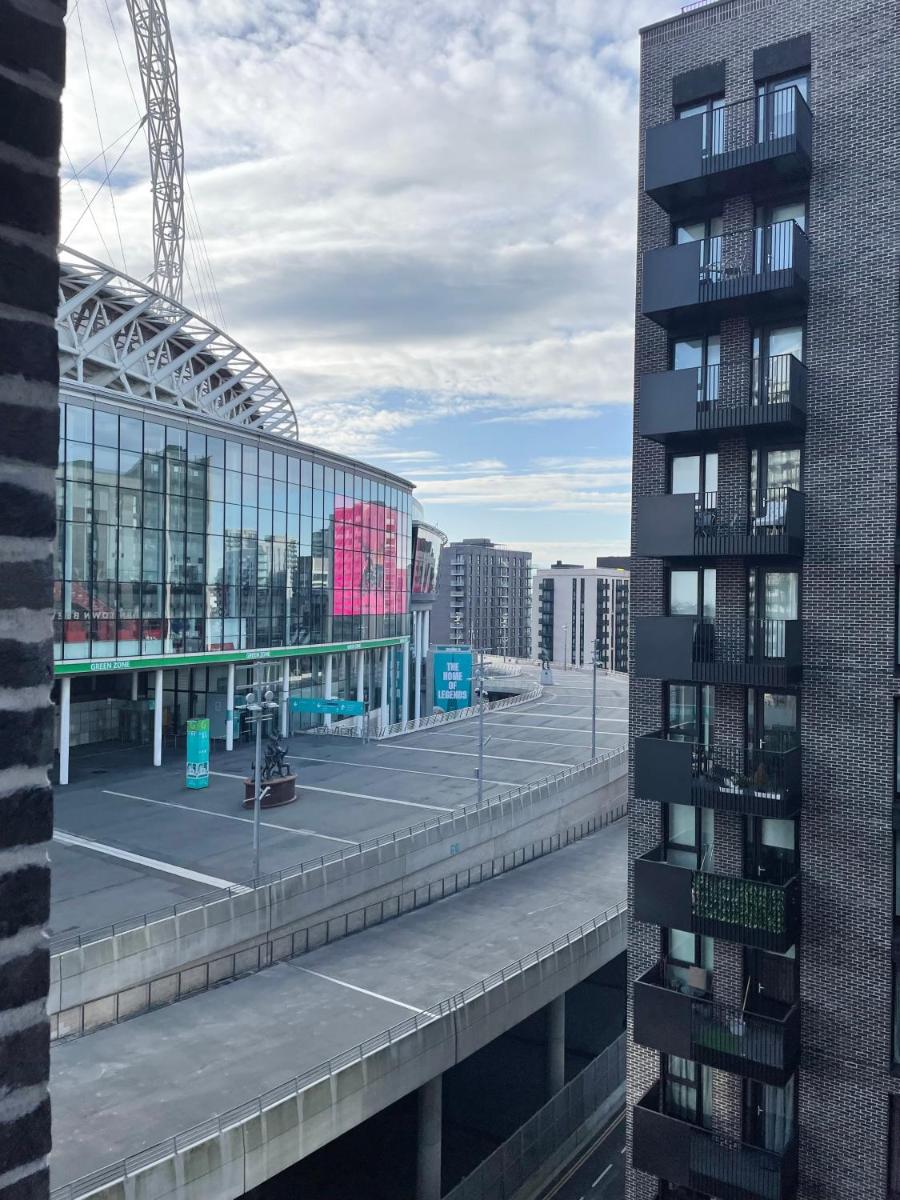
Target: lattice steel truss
123,337
159,80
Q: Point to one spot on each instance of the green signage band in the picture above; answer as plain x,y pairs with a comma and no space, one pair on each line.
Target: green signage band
211,658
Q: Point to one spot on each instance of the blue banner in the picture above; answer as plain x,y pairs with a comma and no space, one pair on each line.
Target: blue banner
452,677
327,704
198,752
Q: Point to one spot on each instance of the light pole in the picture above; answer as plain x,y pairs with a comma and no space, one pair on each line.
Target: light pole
479,681
565,647
260,704
594,662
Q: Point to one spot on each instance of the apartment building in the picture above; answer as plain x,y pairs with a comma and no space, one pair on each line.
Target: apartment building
484,598
574,608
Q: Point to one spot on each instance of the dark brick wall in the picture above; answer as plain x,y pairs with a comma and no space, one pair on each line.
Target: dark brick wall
32,60
847,588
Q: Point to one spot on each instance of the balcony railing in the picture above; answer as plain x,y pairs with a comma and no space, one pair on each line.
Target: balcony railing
752,781
672,1017
696,400
761,653
742,147
748,911
705,526
688,1156
757,271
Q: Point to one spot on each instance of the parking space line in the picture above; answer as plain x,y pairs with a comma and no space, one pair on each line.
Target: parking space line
308,787
400,770
155,864
603,1174
543,762
365,991
209,812
527,741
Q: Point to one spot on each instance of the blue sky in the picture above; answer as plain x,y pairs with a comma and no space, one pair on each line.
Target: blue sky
421,217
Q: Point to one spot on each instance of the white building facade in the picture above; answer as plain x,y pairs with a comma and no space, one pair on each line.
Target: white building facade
574,606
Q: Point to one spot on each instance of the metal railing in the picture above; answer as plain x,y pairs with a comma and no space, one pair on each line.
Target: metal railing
737,641
524,794
773,772
729,130
350,728
204,1130
513,1163
766,515
729,258
779,379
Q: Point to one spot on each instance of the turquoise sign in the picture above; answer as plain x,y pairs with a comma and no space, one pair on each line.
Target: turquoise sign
327,704
452,678
198,752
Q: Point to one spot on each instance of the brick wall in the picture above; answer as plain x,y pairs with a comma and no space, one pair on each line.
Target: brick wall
32,60
847,581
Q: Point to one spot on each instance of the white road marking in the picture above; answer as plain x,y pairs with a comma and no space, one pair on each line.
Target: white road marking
71,839
543,762
307,787
557,729
603,1174
400,770
536,712
208,812
528,741
365,991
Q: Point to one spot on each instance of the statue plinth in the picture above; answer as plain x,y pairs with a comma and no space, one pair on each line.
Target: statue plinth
275,792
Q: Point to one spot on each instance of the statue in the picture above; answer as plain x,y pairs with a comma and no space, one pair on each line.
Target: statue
274,766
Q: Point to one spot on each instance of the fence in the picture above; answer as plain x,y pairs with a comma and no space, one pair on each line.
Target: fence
127,1167
511,1165
349,727
192,980
524,794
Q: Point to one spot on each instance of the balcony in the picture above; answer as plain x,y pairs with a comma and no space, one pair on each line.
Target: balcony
762,273
688,1156
689,526
690,1025
747,911
749,146
750,781
757,653
675,405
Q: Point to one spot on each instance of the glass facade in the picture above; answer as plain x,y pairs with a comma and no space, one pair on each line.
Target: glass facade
425,560
184,537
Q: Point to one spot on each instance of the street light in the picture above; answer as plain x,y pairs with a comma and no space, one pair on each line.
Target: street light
260,703
595,660
478,676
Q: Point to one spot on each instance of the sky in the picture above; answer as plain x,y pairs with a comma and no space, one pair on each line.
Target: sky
419,215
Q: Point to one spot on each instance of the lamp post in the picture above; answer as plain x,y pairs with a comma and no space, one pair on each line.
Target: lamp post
479,683
260,703
594,665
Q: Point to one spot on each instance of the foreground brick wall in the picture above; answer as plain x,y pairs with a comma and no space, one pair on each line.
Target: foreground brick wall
847,579
32,60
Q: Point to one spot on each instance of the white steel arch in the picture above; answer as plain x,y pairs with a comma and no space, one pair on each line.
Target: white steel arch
159,80
121,336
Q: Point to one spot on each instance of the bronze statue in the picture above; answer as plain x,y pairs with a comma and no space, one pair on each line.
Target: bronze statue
274,765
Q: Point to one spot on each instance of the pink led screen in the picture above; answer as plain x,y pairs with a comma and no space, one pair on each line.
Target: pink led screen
369,577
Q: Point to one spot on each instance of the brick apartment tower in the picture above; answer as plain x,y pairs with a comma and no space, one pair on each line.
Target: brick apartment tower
32,61
764,690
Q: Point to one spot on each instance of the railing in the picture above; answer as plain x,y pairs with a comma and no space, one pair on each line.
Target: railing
125,1168
517,1160
731,129
350,727
780,379
727,905
732,258
735,642
441,826
765,772
766,517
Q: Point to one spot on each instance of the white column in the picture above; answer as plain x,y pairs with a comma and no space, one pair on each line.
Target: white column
327,684
417,698
285,696
360,684
134,685
404,684
157,718
385,711
229,709
65,722
426,641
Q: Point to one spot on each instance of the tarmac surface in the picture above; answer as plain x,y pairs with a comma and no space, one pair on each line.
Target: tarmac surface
131,838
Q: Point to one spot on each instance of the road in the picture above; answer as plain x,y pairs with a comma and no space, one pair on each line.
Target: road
598,1173
132,838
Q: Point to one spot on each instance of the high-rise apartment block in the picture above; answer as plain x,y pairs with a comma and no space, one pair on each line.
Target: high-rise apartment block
764,1015
484,598
573,608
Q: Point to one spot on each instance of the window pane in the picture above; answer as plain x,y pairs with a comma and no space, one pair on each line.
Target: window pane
683,593
686,475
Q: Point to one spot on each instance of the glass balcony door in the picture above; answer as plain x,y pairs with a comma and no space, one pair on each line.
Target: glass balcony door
772,472
689,713
701,355
772,352
713,114
774,235
773,597
776,106
772,721
769,1114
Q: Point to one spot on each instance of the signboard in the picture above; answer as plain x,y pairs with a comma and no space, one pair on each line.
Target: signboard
327,704
452,677
198,752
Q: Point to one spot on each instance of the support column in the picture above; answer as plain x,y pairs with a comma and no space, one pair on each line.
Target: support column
134,685
417,698
556,1045
385,710
285,697
157,717
360,685
65,725
404,684
326,688
229,708
428,1150
426,641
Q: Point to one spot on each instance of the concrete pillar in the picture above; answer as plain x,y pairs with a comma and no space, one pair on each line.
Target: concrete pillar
285,697
65,725
426,641
134,685
428,1150
556,1045
360,684
385,710
157,717
229,709
326,688
404,684
419,631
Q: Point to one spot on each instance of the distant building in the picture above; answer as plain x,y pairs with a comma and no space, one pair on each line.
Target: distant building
484,598
617,563
573,606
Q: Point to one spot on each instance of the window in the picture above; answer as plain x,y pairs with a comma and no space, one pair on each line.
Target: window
772,473
694,474
709,232
712,110
774,350
774,237
689,712
688,836
687,1090
702,355
688,962
777,101
693,593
